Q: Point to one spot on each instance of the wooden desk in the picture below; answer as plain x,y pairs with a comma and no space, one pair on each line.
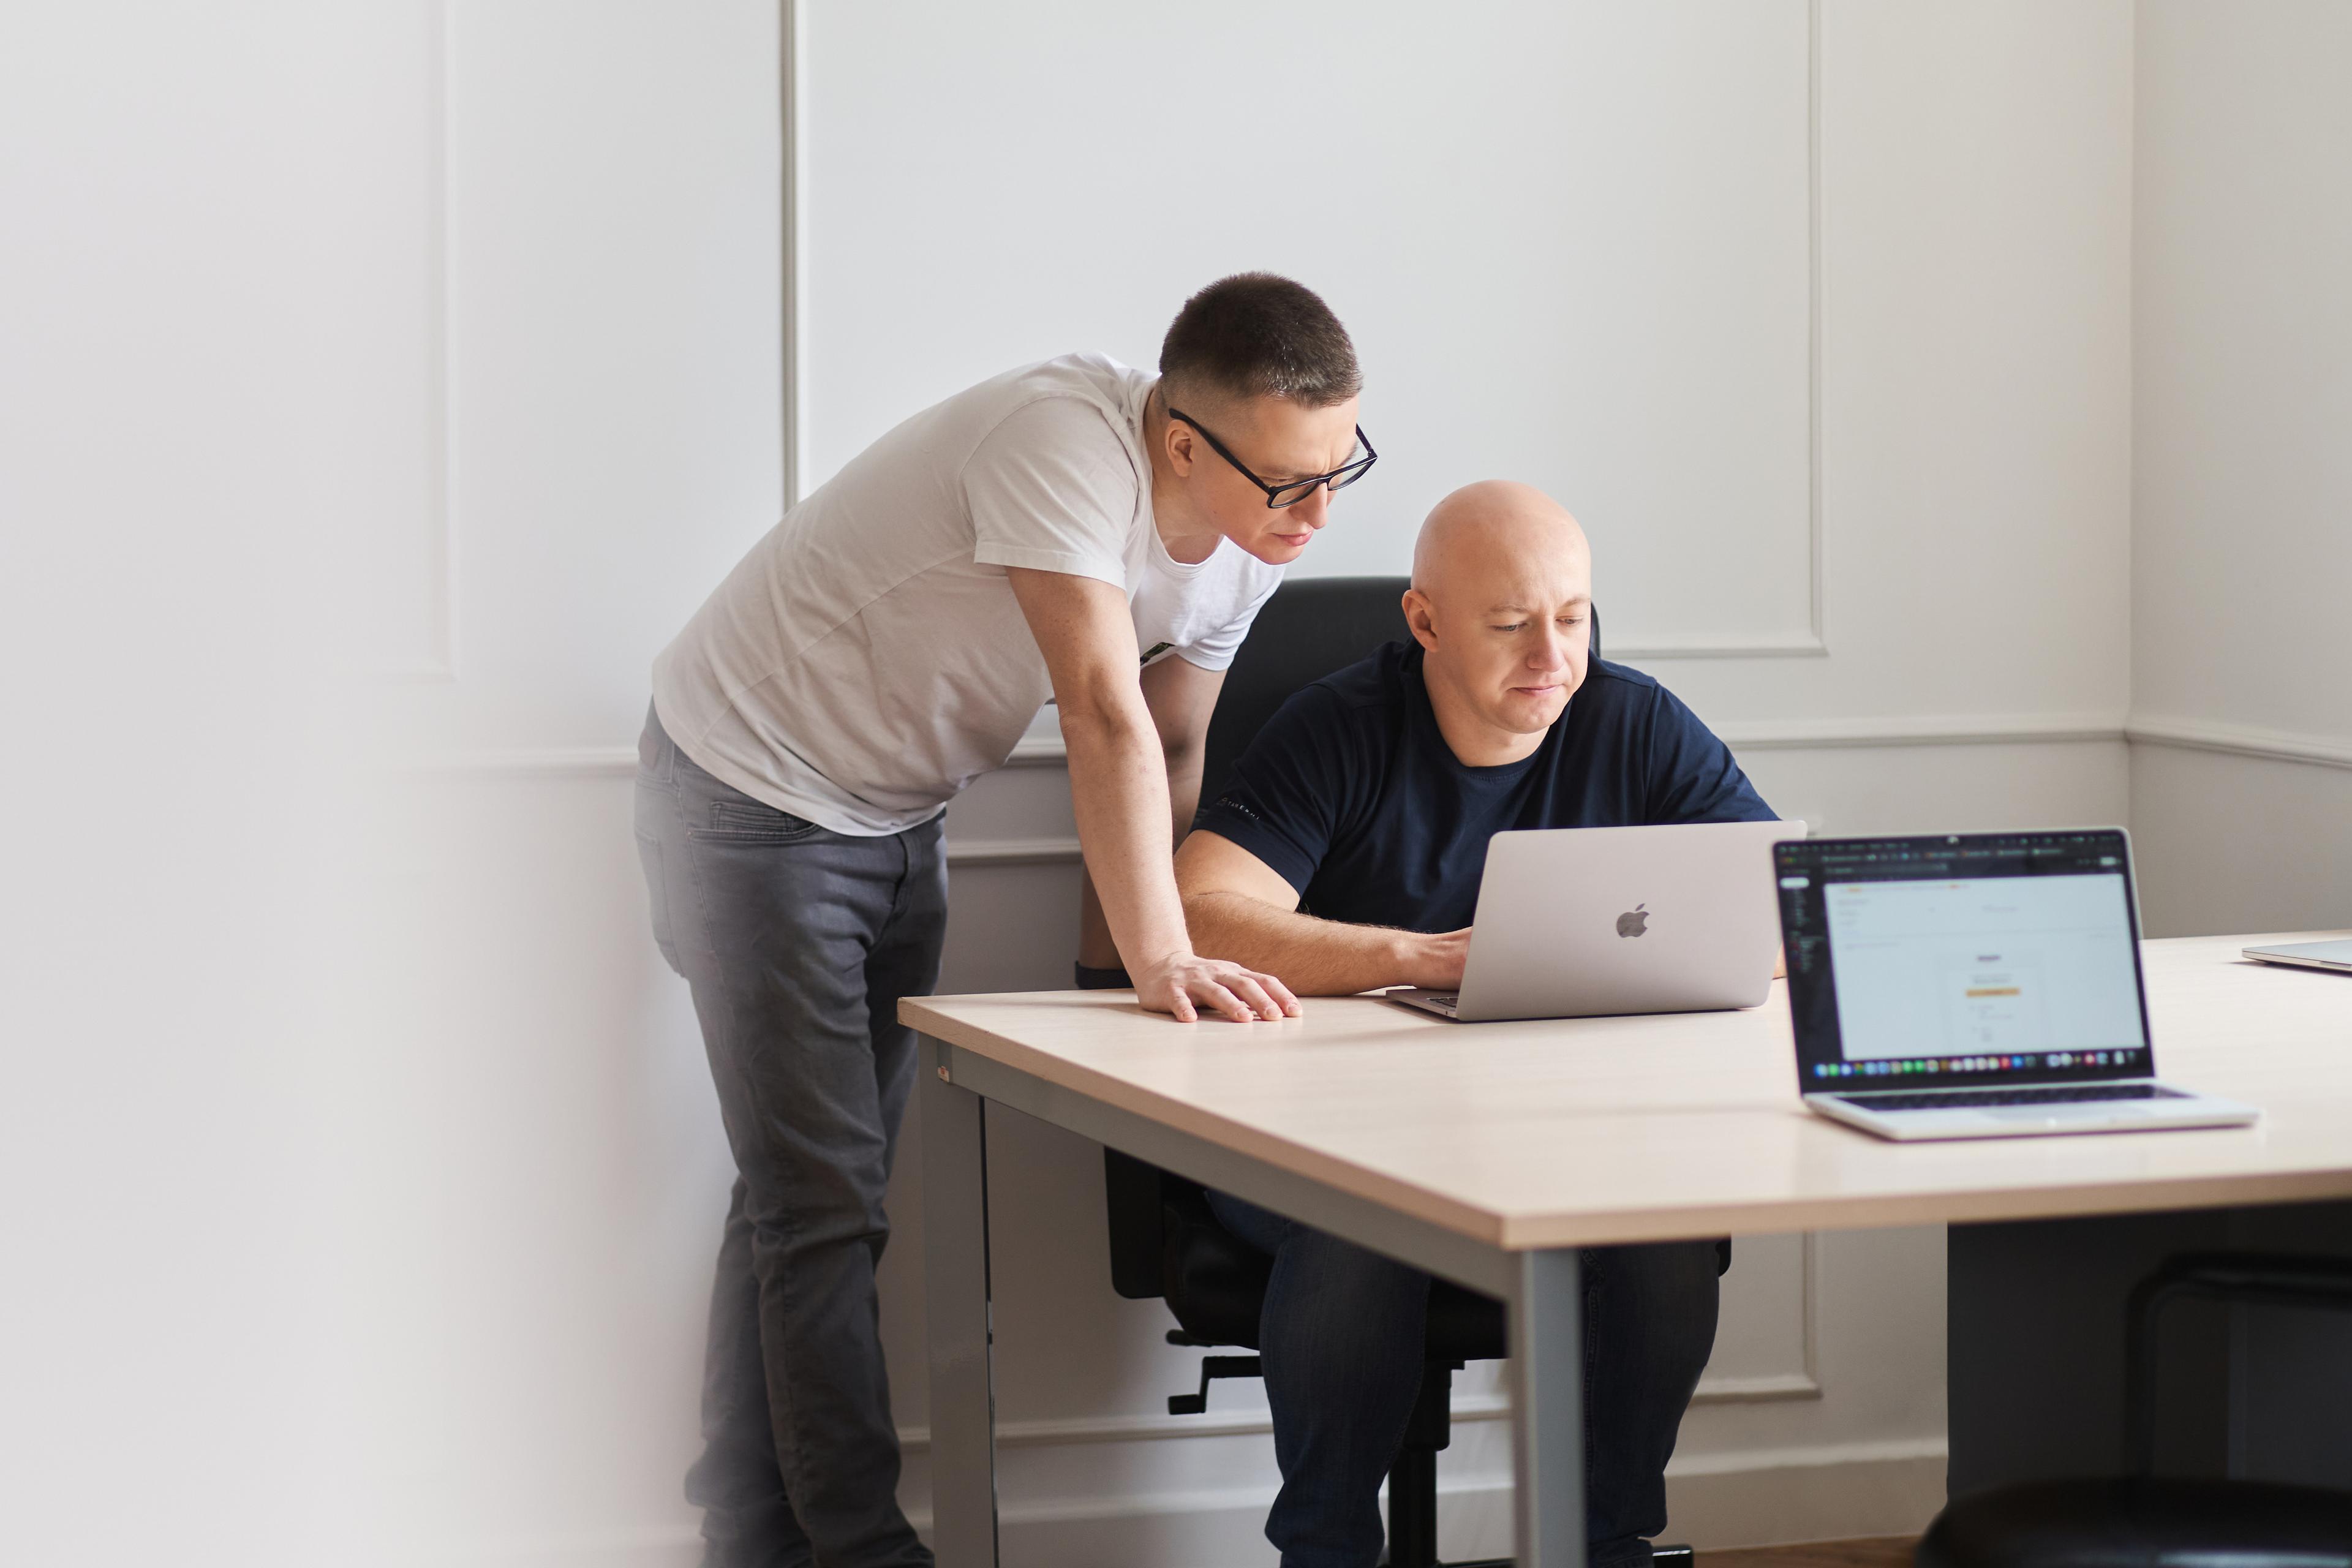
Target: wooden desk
1489,1152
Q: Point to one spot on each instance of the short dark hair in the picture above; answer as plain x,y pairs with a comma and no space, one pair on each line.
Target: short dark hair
1257,335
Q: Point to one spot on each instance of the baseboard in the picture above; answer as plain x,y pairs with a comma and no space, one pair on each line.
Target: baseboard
1836,1493
1713,1501
1749,1498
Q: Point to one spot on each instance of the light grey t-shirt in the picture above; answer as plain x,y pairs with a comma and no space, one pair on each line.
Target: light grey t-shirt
867,659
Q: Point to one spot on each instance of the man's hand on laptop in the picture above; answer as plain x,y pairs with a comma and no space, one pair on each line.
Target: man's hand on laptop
1185,984
1432,961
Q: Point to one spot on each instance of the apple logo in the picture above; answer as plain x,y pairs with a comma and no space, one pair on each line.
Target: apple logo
1634,922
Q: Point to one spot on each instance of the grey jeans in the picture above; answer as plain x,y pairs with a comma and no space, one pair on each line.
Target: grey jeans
798,943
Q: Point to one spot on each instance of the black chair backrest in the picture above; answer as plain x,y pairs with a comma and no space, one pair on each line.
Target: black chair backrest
1310,627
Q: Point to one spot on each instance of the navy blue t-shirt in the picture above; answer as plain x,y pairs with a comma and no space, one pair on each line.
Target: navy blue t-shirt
1352,795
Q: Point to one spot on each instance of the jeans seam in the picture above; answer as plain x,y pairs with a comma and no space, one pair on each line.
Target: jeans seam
787,1465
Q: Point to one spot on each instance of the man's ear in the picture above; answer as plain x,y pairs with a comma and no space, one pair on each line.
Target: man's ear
1420,619
1181,444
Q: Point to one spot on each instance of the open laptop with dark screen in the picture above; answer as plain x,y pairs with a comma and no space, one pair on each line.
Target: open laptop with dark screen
1975,985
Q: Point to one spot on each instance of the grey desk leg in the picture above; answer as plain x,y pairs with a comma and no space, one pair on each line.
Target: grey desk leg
955,1273
1548,1409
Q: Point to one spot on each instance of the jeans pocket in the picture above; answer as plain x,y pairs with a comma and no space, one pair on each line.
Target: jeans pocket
746,821
649,855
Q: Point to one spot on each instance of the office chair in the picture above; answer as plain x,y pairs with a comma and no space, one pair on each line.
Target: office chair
1164,1240
2140,1520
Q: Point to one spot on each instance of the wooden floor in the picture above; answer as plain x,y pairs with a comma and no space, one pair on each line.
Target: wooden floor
1878,1551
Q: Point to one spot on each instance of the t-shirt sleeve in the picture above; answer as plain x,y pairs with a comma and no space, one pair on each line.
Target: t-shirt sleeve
1285,797
1053,488
1693,775
1216,649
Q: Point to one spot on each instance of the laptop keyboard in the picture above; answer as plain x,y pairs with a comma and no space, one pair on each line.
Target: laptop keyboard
2049,1094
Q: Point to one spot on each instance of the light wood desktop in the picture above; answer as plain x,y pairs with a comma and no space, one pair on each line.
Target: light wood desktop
1489,1152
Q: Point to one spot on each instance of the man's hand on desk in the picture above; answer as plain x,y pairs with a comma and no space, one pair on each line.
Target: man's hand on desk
1184,983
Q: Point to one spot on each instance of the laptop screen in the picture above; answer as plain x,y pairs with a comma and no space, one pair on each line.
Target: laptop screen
1962,958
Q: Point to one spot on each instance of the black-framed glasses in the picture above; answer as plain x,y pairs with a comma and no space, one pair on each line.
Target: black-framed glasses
1295,491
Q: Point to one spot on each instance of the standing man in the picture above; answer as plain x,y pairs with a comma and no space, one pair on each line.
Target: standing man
1076,528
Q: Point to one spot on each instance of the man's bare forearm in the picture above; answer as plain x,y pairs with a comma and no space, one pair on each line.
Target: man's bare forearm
1096,948
1118,788
1313,957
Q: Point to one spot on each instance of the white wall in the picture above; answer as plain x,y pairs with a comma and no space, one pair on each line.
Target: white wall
1571,241
360,1175
2242,566
1974,407
491,301
176,413
550,1163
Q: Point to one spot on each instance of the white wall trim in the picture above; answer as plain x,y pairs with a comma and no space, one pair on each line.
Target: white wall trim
1791,644
1951,729
790,94
1014,852
527,762
1756,735
2238,739
570,762
1084,1431
1813,642
1735,1498
1849,1468
1742,1498
1038,751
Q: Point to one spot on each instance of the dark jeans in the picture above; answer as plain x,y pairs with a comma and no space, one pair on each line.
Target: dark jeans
1341,1337
798,943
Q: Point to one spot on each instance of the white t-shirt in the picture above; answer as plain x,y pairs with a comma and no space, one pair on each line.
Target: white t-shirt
867,659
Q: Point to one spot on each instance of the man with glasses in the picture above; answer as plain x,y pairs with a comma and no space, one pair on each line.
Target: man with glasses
1077,530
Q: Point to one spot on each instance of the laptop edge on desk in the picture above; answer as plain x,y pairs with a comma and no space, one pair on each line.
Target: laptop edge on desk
2333,956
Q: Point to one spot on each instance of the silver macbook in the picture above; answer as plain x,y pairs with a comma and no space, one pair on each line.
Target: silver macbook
1975,985
1577,921
2334,955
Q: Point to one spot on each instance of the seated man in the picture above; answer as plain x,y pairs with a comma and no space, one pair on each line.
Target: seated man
1345,854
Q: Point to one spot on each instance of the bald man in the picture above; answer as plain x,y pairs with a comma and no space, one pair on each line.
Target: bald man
1344,855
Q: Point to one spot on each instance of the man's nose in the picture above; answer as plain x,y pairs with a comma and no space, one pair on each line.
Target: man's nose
1551,649
1315,511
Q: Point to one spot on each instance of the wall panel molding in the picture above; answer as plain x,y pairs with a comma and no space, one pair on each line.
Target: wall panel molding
1753,735
1012,851
2238,739
1810,643
1813,642
1891,729
793,37
1083,1431
1741,1498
